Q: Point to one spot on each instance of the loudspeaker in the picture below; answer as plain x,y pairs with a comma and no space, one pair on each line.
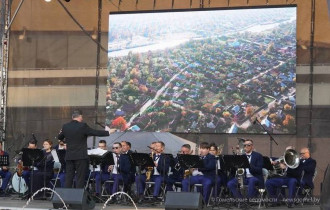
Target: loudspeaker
325,193
75,198
183,200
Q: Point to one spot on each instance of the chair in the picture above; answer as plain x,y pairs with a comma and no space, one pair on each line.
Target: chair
196,186
306,191
148,193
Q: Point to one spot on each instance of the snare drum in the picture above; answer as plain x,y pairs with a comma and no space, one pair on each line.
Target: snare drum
19,184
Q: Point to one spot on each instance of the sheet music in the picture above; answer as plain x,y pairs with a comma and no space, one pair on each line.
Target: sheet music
97,151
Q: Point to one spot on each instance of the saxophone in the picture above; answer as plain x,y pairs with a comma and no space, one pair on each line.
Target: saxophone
149,169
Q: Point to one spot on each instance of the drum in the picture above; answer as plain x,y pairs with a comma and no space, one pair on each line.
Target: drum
19,184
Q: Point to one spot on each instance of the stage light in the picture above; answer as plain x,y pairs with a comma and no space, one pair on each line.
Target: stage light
48,0
22,35
94,34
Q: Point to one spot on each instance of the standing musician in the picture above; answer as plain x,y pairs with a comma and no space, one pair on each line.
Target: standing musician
177,169
75,134
4,173
252,176
100,173
120,170
160,171
206,175
44,174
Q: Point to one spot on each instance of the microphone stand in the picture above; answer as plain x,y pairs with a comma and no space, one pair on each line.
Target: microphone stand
271,139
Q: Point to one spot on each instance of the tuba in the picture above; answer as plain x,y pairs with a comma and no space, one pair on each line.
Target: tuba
240,171
290,158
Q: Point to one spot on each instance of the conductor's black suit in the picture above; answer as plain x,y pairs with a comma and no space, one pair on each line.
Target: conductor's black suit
75,134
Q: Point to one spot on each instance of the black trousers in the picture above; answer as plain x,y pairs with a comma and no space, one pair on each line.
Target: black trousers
78,168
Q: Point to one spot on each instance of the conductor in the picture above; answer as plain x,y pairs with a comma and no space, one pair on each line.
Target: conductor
75,134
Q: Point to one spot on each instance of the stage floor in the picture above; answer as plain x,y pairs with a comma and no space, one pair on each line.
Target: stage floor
16,203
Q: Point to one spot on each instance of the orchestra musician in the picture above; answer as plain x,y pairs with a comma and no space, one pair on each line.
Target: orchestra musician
26,173
252,176
222,177
159,174
75,134
140,178
120,170
100,173
4,173
44,172
291,178
126,149
61,148
177,169
205,175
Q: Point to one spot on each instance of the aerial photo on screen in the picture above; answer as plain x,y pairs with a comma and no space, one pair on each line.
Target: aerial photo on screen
206,71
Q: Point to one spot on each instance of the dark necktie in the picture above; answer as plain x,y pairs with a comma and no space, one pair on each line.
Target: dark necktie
118,163
156,157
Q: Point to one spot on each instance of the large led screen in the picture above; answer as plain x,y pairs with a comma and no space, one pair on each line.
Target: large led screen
203,71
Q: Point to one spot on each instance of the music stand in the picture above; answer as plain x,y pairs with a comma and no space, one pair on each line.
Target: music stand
4,160
141,160
236,161
29,158
190,161
267,164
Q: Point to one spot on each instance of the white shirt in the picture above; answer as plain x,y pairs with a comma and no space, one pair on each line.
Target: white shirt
248,173
156,172
114,170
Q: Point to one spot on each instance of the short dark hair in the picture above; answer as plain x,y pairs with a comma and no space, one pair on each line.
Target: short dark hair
76,113
128,143
117,143
162,143
186,146
204,145
103,142
32,141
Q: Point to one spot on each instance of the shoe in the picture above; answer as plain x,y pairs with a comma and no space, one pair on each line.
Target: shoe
290,205
273,204
141,199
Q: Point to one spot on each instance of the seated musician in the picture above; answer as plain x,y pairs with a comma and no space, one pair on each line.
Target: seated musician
205,175
4,173
252,176
222,177
140,178
60,148
126,149
291,178
178,170
120,170
160,171
307,165
42,176
100,173
26,173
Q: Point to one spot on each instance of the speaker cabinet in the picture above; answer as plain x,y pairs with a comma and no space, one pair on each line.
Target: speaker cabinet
75,198
183,200
325,193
